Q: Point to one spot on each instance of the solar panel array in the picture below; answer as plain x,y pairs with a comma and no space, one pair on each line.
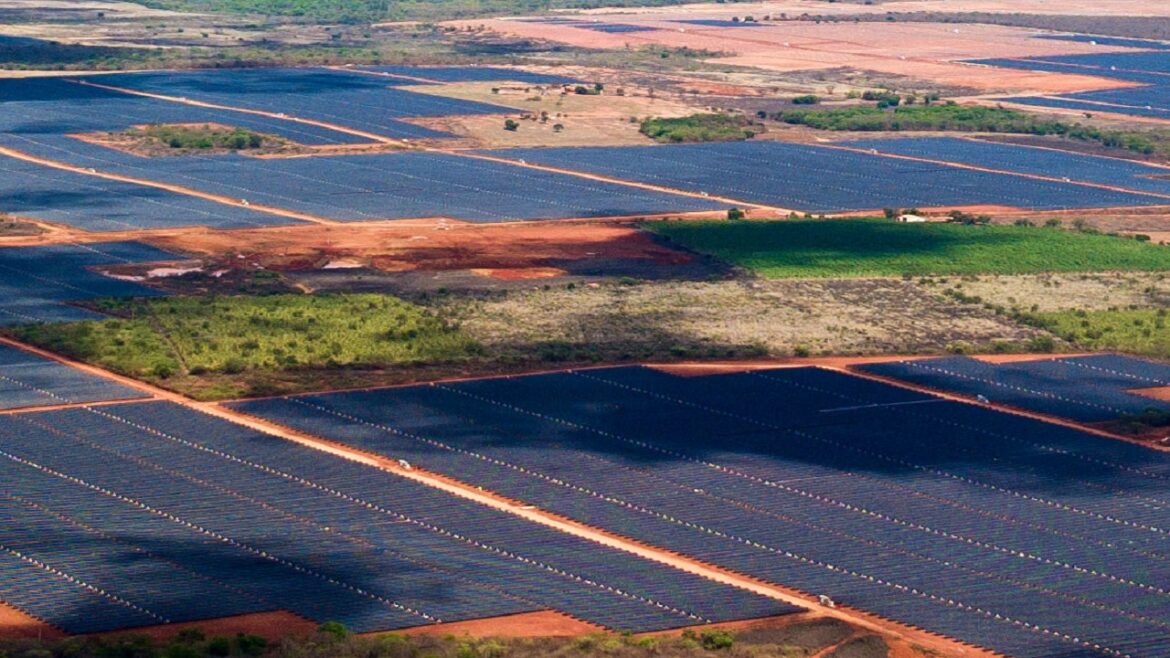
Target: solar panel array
1089,390
98,204
1090,107
149,513
1030,539
60,106
37,282
354,100
715,22
1108,41
594,24
28,380
1038,161
1151,69
381,186
819,179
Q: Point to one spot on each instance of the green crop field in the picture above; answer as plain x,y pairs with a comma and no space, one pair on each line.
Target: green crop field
175,341
1137,331
866,247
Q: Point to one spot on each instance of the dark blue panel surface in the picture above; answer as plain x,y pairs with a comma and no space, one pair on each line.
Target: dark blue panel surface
36,282
1031,539
150,513
818,179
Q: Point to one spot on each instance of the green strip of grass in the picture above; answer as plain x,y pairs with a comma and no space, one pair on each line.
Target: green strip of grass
968,118
179,337
1136,331
859,248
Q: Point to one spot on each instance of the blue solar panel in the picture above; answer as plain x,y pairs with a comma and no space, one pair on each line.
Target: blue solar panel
1089,106
355,100
149,513
398,185
1030,539
1084,390
1108,41
713,22
99,204
1150,69
28,380
819,179
616,28
1042,162
37,282
61,106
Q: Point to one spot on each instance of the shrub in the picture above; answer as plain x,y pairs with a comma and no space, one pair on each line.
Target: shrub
511,124
219,646
735,213
700,128
716,639
333,629
807,99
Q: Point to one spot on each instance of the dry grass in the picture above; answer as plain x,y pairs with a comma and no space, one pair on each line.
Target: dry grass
725,319
1061,292
587,120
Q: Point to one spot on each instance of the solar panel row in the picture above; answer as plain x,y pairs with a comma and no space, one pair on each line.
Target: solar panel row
1078,389
36,282
399,185
148,513
1038,161
1108,41
100,204
819,179
1149,68
354,100
1011,534
28,380
62,106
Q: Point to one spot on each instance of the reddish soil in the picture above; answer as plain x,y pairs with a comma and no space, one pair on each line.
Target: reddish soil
530,624
14,624
511,251
270,625
1157,393
924,51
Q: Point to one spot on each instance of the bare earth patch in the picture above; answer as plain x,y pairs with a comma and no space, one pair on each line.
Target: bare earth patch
726,319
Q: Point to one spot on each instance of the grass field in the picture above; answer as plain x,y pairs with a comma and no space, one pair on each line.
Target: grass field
1136,331
247,338
861,248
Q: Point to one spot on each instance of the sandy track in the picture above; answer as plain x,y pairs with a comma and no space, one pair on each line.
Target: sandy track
69,405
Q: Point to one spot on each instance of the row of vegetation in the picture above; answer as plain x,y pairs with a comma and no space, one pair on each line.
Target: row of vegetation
332,640
717,127
855,248
202,137
247,338
967,118
368,11
1136,330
